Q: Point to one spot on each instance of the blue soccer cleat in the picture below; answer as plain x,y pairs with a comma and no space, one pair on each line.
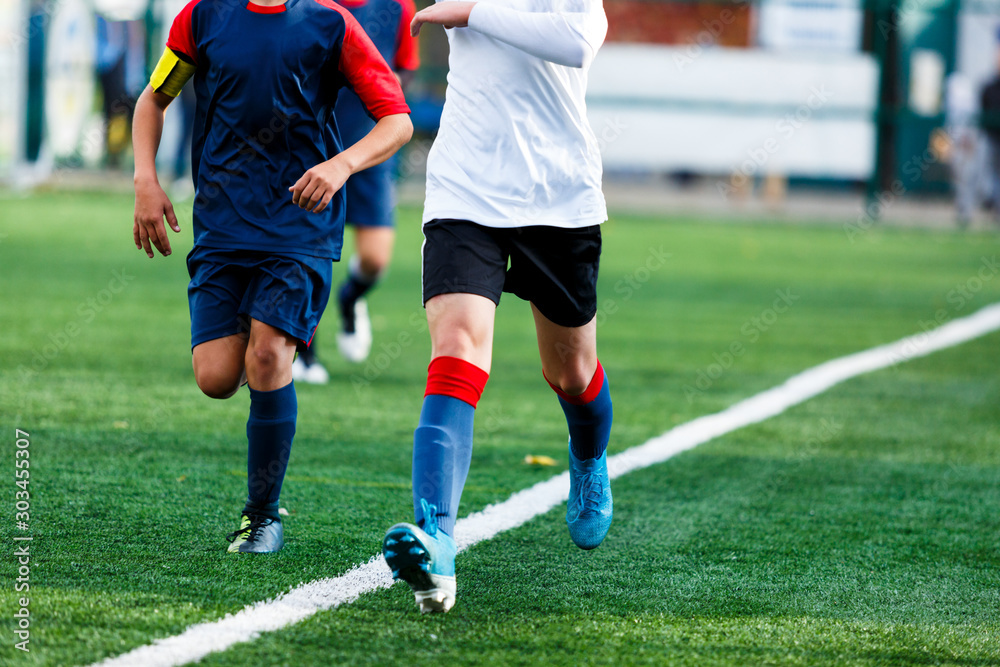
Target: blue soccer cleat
589,510
424,559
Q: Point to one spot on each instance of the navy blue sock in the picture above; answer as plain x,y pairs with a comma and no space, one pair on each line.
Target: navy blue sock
442,452
589,417
270,430
355,287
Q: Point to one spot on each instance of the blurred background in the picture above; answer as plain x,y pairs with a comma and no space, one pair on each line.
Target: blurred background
851,109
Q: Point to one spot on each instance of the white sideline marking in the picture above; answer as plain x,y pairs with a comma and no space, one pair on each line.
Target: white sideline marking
305,600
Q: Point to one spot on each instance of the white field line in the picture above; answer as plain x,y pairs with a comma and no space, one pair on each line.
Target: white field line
305,600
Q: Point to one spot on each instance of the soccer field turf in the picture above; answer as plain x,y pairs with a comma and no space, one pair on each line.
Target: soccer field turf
861,527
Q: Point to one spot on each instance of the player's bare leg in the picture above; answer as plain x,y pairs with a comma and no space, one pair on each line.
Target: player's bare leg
269,355
219,365
461,326
423,555
570,364
373,252
373,246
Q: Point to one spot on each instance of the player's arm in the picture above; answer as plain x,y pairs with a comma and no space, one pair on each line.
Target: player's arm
377,87
564,38
151,202
317,186
175,68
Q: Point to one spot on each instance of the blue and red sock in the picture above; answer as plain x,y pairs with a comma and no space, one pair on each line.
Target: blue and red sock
588,416
442,442
270,431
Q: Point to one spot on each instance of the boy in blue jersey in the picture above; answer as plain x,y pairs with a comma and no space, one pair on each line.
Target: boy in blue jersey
268,166
370,193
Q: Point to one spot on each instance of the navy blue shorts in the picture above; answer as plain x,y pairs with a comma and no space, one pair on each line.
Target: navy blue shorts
371,197
553,268
228,288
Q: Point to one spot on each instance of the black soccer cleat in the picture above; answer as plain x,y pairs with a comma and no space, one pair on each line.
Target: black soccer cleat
258,534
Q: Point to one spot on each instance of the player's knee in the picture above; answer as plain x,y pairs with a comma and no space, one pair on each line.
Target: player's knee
264,359
574,386
374,264
573,379
216,385
458,341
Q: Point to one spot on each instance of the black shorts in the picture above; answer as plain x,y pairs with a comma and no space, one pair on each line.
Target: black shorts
552,267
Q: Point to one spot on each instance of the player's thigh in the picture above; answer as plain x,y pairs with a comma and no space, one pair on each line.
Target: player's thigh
289,293
373,246
461,257
464,266
218,285
568,354
556,270
218,365
461,325
218,332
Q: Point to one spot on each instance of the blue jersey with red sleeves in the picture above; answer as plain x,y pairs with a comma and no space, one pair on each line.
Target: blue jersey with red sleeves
266,82
387,23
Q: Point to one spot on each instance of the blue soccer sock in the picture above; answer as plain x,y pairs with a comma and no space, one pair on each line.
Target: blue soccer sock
352,289
270,431
588,416
442,443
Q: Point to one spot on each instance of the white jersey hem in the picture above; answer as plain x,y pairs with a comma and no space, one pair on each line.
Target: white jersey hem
509,223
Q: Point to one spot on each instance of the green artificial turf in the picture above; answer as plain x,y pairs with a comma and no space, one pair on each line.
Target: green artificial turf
858,528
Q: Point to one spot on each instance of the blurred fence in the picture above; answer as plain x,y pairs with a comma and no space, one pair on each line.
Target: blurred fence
824,90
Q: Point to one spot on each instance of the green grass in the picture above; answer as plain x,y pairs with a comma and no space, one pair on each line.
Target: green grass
858,528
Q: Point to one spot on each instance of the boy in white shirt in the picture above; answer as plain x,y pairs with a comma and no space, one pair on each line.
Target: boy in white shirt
514,177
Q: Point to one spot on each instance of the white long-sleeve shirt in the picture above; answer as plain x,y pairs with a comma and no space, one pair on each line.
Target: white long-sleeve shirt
515,147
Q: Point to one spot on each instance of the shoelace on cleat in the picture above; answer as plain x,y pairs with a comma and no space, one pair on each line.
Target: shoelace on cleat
591,491
430,517
250,533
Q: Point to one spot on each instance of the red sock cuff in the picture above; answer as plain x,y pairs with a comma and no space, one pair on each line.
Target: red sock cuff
451,376
593,389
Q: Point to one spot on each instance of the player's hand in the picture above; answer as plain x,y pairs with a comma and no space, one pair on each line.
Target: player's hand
317,186
151,206
448,14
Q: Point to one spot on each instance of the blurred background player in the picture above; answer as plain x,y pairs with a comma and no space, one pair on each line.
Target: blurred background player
269,215
370,193
989,113
962,134
121,68
514,176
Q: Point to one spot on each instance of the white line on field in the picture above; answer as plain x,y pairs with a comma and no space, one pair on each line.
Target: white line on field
302,602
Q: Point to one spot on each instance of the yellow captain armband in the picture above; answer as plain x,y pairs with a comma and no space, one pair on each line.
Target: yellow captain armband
171,74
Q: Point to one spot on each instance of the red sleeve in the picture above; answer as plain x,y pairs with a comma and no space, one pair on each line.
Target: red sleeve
181,37
367,72
407,53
